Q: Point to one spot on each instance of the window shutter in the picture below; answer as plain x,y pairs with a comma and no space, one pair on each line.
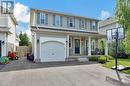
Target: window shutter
54,20
46,19
73,22
61,20
38,18
67,21
79,23
86,24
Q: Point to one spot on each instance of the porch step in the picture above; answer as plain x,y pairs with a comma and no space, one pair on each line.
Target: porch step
77,58
71,59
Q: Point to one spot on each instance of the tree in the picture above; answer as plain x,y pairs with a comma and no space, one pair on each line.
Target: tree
24,39
123,18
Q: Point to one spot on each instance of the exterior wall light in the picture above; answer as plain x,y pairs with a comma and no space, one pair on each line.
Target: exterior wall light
3,42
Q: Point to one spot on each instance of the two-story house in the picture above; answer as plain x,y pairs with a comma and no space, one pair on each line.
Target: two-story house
57,36
7,33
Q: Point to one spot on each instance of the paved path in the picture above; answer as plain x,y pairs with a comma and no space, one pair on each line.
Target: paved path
60,74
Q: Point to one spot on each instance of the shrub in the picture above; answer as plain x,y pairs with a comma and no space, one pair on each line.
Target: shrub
122,54
102,59
109,57
93,58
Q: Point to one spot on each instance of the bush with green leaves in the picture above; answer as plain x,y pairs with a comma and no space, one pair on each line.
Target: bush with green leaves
109,57
93,58
102,59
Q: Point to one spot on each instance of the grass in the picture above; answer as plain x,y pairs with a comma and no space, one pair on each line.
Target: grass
124,62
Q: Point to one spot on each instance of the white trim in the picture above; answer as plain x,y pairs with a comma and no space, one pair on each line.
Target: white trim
89,46
35,46
106,48
67,46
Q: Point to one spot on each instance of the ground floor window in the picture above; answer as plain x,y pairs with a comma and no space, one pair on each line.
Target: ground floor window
93,45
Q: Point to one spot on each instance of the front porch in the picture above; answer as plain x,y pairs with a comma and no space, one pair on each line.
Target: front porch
84,46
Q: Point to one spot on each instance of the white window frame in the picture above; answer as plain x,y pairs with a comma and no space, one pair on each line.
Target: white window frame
4,10
71,21
94,25
57,20
42,17
82,24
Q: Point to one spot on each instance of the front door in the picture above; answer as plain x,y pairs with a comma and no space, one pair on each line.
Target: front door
77,46
0,48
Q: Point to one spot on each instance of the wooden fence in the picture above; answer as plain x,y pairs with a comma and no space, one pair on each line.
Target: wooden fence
23,50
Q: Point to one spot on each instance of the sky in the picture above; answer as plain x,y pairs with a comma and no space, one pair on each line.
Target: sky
99,9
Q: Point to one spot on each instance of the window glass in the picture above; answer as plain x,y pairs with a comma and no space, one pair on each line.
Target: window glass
71,22
4,7
42,18
57,20
93,25
82,24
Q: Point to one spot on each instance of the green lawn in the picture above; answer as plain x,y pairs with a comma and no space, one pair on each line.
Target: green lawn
124,62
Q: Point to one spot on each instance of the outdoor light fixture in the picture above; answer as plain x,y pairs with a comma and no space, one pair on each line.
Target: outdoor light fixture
115,34
3,42
37,40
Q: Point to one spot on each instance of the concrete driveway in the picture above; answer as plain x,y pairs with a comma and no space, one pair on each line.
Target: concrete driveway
24,73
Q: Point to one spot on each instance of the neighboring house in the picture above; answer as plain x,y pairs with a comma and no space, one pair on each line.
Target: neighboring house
17,40
7,33
58,36
109,23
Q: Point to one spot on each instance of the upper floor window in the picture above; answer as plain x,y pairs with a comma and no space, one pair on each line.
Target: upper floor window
42,18
70,22
57,20
82,24
93,25
7,7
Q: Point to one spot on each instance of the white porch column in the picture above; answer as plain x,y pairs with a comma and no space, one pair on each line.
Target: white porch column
35,45
106,47
67,46
89,46
4,46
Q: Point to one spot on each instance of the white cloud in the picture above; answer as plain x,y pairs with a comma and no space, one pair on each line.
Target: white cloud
21,13
28,32
104,15
23,30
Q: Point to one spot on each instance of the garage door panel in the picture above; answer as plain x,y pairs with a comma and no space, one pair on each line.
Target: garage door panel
52,51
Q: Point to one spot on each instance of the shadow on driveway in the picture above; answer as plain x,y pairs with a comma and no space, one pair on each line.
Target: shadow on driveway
23,64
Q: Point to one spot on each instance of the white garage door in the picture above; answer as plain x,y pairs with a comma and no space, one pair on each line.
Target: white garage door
52,51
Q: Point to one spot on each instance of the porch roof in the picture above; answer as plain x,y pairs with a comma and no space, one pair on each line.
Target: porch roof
5,30
68,31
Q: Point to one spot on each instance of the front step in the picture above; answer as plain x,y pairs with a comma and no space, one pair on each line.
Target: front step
71,59
77,58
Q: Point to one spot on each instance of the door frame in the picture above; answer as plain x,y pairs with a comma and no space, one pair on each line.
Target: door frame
0,49
74,45
86,42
